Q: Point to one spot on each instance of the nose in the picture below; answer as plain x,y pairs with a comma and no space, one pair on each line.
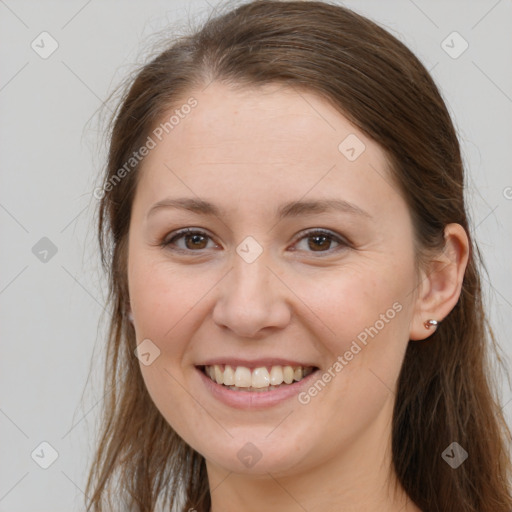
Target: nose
252,299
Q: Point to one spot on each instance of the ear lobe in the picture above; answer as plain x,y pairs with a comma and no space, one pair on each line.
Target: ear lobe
441,286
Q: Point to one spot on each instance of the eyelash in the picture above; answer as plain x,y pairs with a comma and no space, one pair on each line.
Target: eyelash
166,243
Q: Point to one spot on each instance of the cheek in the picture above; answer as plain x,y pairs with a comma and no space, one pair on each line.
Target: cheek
364,312
352,299
164,301
161,296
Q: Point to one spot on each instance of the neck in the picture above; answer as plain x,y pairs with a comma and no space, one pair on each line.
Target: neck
360,479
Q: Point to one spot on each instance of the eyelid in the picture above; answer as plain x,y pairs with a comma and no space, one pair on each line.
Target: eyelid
323,231
342,241
175,235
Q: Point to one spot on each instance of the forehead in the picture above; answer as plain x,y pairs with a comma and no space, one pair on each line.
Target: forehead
260,125
263,144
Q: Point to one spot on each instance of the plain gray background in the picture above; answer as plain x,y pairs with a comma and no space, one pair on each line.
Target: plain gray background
52,151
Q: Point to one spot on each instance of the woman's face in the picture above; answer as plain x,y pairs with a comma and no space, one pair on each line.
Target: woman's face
255,285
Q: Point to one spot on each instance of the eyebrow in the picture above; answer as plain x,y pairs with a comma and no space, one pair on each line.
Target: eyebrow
291,209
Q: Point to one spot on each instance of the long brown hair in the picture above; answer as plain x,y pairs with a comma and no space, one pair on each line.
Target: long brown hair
446,392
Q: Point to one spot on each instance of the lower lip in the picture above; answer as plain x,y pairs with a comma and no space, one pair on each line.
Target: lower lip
254,399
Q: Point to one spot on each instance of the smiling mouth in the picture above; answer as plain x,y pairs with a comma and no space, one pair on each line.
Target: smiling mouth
241,378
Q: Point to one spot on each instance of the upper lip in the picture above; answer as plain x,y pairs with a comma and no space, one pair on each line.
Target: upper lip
255,363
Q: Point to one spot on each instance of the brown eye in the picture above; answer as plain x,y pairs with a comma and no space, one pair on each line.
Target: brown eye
321,241
192,240
195,241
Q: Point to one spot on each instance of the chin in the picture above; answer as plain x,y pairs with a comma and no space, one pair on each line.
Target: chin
251,456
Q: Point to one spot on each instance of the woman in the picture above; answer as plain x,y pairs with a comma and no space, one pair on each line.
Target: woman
297,320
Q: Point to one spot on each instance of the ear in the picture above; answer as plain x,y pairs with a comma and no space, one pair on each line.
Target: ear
441,282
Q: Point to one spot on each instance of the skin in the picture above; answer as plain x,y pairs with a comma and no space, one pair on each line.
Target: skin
247,151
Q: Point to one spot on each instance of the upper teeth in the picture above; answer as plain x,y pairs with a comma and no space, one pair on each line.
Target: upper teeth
242,377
